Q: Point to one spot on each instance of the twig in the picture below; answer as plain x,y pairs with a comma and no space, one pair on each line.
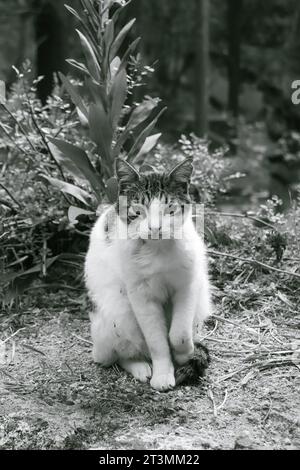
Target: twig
9,205
209,334
82,339
33,349
217,317
215,407
224,401
44,140
242,216
14,334
211,397
10,195
3,235
253,261
216,340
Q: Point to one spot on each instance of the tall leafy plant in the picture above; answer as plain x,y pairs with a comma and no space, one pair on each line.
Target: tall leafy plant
114,127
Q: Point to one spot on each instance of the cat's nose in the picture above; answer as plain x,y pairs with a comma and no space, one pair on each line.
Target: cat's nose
154,230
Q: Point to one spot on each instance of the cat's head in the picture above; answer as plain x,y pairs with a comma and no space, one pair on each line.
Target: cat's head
154,205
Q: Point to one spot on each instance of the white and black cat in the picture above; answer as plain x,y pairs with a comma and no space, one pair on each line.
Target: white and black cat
150,289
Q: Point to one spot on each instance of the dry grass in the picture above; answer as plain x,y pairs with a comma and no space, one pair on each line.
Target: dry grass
53,396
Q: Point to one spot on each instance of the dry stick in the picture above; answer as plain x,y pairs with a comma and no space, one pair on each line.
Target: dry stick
209,334
242,216
260,365
82,339
9,205
27,346
253,261
44,140
3,235
11,336
211,397
217,317
10,195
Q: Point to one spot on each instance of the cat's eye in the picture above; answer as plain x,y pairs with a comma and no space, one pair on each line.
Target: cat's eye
172,209
135,211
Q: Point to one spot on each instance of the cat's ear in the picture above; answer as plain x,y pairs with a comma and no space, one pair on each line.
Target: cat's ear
182,172
125,172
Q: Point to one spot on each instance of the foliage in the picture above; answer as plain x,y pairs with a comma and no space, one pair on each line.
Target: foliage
72,150
110,75
31,214
70,145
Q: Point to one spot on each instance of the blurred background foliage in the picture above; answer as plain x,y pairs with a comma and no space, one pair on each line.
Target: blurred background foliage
252,58
224,71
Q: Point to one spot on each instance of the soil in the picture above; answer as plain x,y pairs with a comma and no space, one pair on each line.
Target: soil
52,396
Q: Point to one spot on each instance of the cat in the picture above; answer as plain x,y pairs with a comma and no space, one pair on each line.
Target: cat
150,289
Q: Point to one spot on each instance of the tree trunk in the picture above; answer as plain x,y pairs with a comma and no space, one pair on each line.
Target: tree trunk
202,67
234,11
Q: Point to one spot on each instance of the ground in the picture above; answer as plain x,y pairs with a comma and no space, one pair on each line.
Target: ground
52,396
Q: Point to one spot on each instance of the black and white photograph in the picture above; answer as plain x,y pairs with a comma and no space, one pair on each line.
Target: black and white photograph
149,228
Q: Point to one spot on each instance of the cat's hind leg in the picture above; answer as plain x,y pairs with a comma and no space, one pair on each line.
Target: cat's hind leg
103,351
117,336
140,370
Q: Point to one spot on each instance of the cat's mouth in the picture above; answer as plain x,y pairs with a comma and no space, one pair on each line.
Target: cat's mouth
157,237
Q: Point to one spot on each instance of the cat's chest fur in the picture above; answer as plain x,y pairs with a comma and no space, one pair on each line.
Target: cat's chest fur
166,263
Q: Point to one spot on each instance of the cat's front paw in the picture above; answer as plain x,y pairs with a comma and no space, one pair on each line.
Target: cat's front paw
140,370
163,382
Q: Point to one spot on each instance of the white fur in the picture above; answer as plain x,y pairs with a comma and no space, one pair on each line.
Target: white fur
129,282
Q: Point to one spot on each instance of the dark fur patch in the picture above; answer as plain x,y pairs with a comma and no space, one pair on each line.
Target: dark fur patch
154,185
195,369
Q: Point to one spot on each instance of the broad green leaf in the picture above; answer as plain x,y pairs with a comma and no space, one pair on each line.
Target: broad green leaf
116,14
74,212
129,52
120,39
75,97
143,136
115,67
137,117
66,162
84,25
78,66
82,118
142,112
112,189
149,144
118,96
108,40
96,92
73,12
90,56
101,131
69,188
82,162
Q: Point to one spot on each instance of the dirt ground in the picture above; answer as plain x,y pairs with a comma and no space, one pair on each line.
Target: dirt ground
52,396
